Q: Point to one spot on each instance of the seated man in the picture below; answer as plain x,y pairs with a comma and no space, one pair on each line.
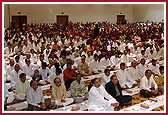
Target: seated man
159,79
99,99
78,87
22,85
83,67
69,75
148,86
124,78
95,64
35,98
106,77
114,89
58,91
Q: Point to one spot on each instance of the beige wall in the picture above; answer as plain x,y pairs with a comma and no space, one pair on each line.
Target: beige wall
46,13
151,12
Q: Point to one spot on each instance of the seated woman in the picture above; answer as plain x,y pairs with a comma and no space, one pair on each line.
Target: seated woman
77,87
114,89
99,99
148,86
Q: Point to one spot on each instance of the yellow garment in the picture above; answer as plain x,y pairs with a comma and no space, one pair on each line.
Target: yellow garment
159,79
58,93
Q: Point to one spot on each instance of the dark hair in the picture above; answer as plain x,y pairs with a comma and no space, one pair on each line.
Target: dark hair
32,82
44,64
161,68
58,70
147,71
112,77
21,75
106,70
57,78
93,80
83,56
95,55
122,64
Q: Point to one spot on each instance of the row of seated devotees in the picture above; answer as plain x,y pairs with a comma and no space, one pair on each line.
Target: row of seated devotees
108,96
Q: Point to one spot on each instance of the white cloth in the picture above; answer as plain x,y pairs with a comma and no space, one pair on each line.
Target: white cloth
22,87
124,78
125,59
104,63
28,70
14,76
105,79
9,69
133,72
44,73
141,70
97,52
35,97
115,61
147,84
89,59
154,69
95,66
97,99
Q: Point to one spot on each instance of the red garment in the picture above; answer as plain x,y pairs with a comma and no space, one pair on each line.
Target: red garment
68,74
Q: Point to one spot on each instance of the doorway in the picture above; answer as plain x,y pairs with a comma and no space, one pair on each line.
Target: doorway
62,19
121,19
18,21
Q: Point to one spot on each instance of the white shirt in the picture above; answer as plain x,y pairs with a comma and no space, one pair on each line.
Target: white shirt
9,69
115,61
105,79
22,87
125,59
97,99
44,73
104,63
26,49
141,70
89,59
124,78
154,69
35,97
95,66
14,76
133,72
147,84
28,70
140,56
33,57
97,52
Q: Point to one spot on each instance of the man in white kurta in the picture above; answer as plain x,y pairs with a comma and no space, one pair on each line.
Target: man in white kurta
148,86
142,68
154,67
95,64
14,75
28,68
99,99
106,63
35,98
115,60
22,85
105,77
124,78
133,71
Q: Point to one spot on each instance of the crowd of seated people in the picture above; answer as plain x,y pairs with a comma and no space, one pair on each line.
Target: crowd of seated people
57,53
